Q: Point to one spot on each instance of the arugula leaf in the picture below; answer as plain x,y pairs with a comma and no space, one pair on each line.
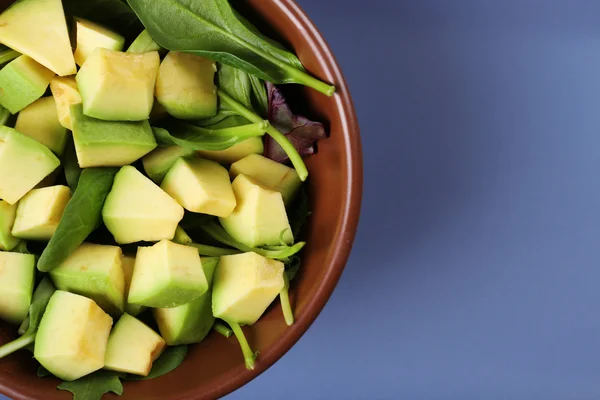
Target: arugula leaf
168,361
299,130
196,138
81,217
71,165
212,29
94,386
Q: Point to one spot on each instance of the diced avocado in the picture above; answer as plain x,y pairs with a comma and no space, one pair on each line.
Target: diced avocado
128,264
39,121
160,161
17,272
244,286
72,337
259,218
144,43
117,86
35,162
40,211
254,145
23,81
200,186
65,92
167,275
38,29
90,36
268,173
137,210
8,213
185,86
132,347
101,143
191,322
94,271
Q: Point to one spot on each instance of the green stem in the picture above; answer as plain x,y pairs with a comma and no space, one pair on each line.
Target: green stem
258,128
8,55
17,344
286,306
181,237
222,329
306,79
212,251
249,355
279,137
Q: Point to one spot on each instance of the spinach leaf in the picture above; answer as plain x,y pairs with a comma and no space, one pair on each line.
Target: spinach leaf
230,103
114,14
81,217
261,100
71,165
211,28
300,131
196,138
144,43
94,386
292,267
222,115
237,83
168,361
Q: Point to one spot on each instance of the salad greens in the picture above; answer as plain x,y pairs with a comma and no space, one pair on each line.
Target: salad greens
94,386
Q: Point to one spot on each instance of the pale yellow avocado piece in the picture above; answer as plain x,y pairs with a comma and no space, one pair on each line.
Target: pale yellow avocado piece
136,209
65,92
40,212
39,121
23,81
159,161
128,265
72,337
259,218
94,271
200,186
253,145
90,36
35,162
244,286
118,86
38,29
17,272
269,173
132,347
185,86
167,275
8,214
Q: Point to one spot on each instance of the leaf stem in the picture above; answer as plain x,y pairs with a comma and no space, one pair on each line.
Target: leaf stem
212,251
286,306
181,237
17,344
279,137
222,329
249,355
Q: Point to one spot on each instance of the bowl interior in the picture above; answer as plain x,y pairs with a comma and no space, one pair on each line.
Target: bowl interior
215,367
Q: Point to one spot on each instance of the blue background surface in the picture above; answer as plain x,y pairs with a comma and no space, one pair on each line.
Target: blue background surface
476,268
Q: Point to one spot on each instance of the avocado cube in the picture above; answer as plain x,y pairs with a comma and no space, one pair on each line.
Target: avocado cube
159,162
185,86
101,143
38,29
244,286
200,186
17,273
22,81
253,145
24,162
259,218
39,121
40,212
8,214
191,322
128,264
65,92
132,347
144,43
167,275
117,86
89,36
137,210
269,173
94,271
72,336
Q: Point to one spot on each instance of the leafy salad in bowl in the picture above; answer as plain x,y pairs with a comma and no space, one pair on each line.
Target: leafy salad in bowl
151,183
